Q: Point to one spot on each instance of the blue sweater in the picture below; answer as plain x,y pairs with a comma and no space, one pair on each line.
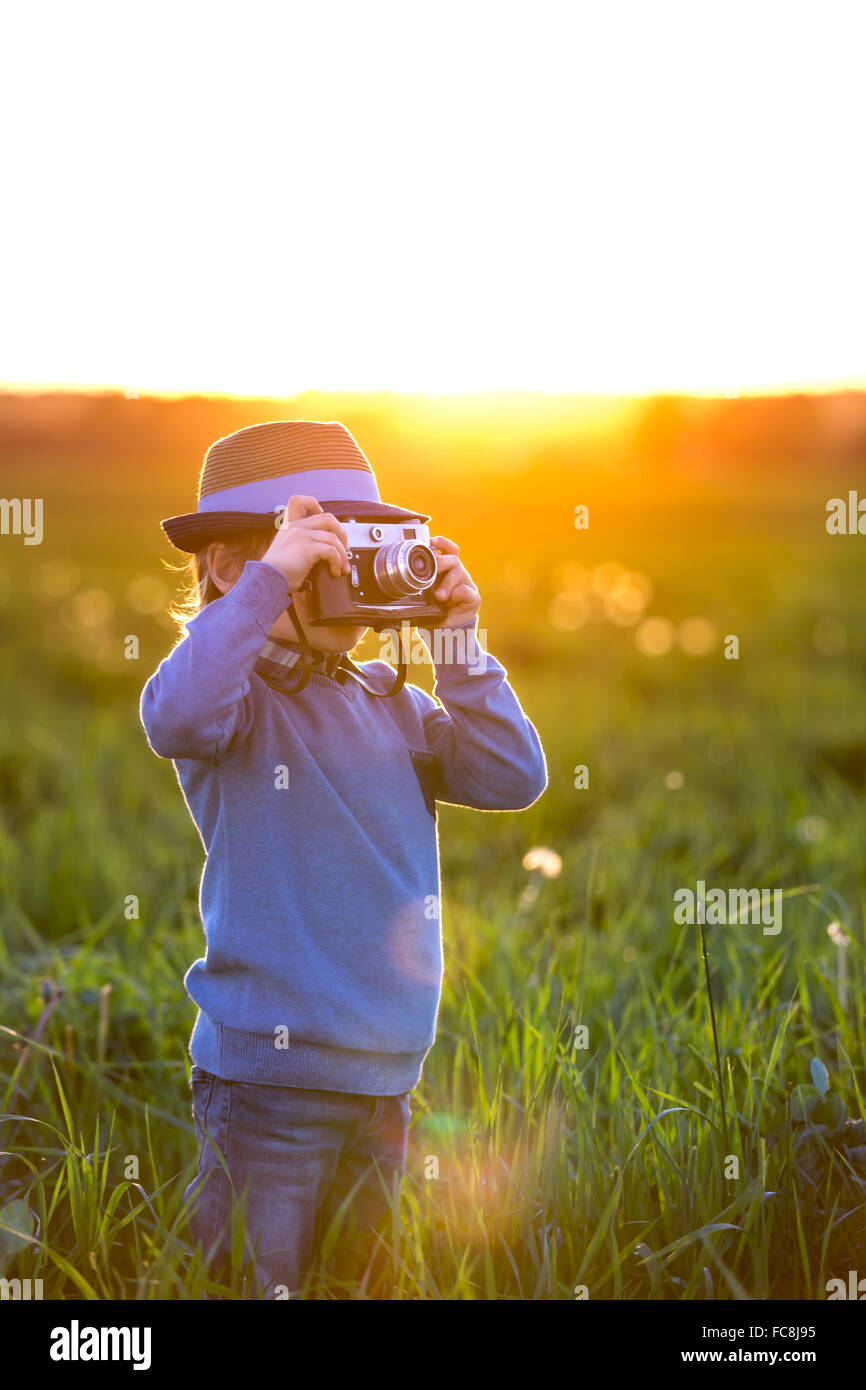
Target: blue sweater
320,898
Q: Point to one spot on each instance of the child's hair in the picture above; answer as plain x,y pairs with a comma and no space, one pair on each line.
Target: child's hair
199,589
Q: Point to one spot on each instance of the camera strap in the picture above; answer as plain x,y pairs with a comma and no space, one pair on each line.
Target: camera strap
306,653
346,665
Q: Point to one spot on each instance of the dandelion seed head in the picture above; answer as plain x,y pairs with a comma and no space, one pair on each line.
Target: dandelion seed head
546,861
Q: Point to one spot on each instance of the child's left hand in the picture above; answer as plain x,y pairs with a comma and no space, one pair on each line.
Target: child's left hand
453,584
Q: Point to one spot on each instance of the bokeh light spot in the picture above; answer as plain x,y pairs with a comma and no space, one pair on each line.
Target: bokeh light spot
655,637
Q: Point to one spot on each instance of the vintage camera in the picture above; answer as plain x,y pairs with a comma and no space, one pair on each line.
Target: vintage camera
392,571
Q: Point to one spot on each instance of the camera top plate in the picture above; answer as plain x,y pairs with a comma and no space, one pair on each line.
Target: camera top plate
369,535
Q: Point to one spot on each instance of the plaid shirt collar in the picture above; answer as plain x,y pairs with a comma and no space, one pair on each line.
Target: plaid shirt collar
276,662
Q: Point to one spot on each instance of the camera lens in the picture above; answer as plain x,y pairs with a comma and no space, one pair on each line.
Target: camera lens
406,567
422,564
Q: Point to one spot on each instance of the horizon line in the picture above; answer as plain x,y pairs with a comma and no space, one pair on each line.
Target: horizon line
96,389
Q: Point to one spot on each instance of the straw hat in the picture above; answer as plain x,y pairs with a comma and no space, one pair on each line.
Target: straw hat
248,477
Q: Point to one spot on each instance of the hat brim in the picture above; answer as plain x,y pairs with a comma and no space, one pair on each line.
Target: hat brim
197,529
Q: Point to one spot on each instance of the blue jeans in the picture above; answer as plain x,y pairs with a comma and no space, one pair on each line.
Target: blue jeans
297,1154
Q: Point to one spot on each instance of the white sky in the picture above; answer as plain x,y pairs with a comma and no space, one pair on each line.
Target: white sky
264,198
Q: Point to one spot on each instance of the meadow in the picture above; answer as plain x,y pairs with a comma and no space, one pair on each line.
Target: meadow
572,1103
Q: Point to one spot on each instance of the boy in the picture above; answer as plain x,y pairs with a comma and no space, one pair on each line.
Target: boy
319,988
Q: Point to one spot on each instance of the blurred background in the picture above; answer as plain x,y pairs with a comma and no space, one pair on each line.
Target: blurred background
706,518
601,257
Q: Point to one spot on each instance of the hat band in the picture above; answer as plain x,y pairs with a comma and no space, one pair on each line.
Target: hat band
269,494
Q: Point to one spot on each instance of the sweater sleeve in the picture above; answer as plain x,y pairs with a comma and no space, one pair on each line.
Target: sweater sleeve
196,704
488,754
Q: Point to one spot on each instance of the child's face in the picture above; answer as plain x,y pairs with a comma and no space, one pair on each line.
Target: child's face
323,639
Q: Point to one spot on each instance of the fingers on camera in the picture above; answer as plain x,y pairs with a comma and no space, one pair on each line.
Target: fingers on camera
445,545
313,518
330,548
301,505
448,562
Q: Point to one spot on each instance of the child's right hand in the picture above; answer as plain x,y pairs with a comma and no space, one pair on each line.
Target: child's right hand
306,535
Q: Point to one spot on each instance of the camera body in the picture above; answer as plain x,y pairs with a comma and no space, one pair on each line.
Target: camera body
390,580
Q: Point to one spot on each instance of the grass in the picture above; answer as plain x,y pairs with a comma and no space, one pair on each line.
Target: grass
563,1169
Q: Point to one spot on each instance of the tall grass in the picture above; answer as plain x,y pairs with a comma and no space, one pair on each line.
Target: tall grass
538,1168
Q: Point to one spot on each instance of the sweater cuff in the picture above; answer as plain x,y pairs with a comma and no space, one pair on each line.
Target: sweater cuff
262,590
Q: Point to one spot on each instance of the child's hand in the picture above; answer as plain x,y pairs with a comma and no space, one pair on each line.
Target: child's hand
307,535
453,584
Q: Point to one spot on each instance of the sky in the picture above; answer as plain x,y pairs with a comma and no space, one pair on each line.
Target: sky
434,197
